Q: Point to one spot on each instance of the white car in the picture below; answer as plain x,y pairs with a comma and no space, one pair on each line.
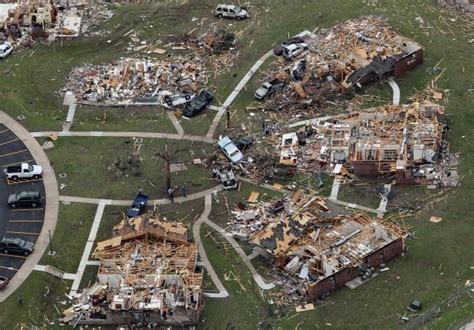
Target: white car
170,101
5,49
230,11
23,171
230,149
293,50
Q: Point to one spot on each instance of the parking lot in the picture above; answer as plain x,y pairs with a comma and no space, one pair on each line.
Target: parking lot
25,223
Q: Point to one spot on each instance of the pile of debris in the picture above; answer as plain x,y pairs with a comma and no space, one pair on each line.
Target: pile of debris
217,45
350,54
316,249
124,80
409,143
147,276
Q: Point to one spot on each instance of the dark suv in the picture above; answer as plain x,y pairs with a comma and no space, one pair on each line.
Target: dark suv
198,104
16,245
25,198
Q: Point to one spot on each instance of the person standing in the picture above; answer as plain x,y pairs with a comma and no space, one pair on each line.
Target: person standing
184,191
171,194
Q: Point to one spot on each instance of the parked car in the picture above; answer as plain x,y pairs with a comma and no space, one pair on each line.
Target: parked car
16,246
3,282
5,49
23,171
198,104
268,88
293,50
230,150
25,199
243,143
231,11
138,206
170,101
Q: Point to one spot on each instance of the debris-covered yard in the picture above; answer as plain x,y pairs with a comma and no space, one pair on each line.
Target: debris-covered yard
165,55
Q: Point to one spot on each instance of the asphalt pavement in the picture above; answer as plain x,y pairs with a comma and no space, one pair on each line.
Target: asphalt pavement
25,223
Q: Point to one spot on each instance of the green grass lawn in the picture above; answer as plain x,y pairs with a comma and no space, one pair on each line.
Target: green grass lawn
437,261
361,193
85,161
245,308
37,309
76,219
129,119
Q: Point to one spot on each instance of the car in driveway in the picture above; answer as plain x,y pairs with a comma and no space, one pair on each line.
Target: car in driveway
14,245
5,49
198,104
230,11
25,199
230,149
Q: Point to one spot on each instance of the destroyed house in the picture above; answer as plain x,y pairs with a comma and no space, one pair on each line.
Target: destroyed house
147,276
350,54
326,251
391,139
28,13
362,50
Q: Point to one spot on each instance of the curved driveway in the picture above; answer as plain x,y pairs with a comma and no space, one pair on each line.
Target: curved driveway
51,204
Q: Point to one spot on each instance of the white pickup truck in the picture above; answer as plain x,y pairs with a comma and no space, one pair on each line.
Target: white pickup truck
23,171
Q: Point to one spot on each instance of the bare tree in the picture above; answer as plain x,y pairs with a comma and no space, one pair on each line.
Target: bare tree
169,155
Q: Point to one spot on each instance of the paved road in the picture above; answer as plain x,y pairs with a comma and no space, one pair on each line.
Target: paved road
50,214
22,223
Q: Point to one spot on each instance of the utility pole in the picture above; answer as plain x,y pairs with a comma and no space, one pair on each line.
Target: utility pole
51,252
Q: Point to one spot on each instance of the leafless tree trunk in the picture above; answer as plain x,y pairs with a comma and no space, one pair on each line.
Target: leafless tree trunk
169,155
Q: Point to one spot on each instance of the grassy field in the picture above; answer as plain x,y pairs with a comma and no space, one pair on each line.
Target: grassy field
130,119
73,218
86,161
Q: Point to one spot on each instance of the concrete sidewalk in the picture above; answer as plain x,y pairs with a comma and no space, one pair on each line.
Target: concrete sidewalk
146,135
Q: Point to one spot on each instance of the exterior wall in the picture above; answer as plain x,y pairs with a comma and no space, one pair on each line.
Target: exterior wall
341,278
408,63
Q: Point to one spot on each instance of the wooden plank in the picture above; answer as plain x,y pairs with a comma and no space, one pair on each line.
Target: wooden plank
253,197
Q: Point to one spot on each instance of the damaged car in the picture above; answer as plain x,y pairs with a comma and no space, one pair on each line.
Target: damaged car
292,50
171,101
5,49
230,150
230,11
198,104
268,88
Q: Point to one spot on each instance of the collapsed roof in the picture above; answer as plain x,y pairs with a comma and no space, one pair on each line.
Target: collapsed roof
149,268
351,53
311,244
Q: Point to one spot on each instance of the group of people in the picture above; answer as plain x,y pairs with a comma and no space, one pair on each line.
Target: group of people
170,191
